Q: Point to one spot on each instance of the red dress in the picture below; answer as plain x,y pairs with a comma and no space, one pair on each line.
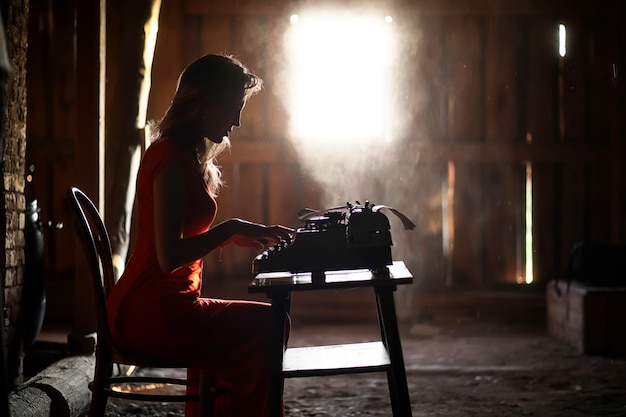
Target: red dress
162,313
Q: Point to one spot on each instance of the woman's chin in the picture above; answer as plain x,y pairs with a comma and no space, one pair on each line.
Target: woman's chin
218,139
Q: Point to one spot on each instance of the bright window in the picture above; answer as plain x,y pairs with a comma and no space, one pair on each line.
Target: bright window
562,40
339,76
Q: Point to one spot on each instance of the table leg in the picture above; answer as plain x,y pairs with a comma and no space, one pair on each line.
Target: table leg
280,307
396,377
391,383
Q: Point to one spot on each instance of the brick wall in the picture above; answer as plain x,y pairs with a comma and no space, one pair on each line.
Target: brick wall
15,14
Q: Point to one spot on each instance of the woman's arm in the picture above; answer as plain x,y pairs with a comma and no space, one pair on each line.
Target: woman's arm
174,251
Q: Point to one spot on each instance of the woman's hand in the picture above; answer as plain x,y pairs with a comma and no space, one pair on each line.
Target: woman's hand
255,235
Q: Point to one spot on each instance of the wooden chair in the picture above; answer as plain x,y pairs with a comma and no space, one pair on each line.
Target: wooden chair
95,241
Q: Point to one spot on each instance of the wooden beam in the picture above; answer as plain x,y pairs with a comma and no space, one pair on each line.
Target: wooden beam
275,151
492,152
428,7
281,151
229,7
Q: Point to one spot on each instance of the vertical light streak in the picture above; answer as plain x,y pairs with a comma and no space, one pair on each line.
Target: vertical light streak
102,107
529,223
562,40
561,85
529,218
448,221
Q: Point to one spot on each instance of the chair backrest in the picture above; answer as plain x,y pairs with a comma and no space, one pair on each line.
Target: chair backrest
95,241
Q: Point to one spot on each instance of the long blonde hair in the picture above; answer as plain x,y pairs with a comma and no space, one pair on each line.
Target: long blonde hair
209,79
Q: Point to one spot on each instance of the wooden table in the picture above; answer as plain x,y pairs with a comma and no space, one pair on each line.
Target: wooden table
384,356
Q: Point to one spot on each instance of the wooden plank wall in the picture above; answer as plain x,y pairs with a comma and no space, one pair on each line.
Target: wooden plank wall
484,92
52,125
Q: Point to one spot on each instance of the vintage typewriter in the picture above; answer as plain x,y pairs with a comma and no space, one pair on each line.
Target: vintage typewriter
353,236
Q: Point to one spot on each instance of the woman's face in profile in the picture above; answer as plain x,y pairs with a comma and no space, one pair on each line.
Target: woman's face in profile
221,117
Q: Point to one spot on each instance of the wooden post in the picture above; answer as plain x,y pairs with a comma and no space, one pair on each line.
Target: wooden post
131,38
504,181
464,55
89,151
616,143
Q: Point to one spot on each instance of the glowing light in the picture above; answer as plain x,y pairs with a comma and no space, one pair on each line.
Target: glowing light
340,66
562,40
388,19
529,223
529,217
294,18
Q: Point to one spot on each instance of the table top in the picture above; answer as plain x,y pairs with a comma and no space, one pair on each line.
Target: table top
287,281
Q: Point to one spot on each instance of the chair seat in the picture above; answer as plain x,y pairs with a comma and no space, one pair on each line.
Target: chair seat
144,360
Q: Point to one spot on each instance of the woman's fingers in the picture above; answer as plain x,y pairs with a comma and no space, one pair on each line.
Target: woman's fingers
283,233
258,235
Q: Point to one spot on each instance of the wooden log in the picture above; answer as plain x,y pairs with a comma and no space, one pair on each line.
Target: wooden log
29,401
66,382
59,390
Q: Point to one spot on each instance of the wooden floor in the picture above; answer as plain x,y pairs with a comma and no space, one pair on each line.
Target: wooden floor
455,367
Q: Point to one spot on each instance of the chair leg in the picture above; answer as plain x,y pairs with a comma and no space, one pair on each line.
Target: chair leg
98,404
99,396
207,395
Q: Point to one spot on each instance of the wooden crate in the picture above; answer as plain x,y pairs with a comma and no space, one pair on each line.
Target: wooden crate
589,318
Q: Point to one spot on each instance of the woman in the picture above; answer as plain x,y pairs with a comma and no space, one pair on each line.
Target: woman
156,305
